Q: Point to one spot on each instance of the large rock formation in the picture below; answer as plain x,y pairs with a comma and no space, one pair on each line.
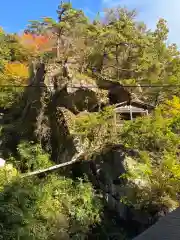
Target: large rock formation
40,115
45,114
104,171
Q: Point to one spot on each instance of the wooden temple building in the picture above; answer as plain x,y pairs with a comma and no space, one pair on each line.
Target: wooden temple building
127,105
129,110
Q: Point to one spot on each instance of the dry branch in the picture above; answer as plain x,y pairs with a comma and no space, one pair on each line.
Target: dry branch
74,159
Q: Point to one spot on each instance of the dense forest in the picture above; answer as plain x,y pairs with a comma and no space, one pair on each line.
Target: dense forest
70,171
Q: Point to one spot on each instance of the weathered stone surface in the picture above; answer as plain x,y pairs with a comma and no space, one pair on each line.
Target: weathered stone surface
104,172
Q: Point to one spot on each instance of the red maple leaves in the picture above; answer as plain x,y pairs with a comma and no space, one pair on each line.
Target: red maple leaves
35,43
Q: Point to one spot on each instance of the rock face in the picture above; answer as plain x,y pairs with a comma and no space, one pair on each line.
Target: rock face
44,115
104,172
39,115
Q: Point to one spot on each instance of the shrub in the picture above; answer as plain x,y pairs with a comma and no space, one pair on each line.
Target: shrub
154,179
95,130
153,185
151,133
52,208
31,157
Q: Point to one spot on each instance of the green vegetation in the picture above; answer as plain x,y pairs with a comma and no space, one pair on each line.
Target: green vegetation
52,208
74,49
158,166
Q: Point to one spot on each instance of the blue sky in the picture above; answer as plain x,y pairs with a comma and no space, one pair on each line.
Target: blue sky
14,15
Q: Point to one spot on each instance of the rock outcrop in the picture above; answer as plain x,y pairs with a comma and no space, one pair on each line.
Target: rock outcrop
45,114
40,114
104,171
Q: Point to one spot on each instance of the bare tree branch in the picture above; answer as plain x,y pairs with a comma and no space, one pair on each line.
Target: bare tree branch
74,159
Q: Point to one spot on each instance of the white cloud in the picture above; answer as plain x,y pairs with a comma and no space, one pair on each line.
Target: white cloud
151,10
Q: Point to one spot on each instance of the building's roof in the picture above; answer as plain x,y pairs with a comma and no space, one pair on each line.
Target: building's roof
128,108
167,228
135,103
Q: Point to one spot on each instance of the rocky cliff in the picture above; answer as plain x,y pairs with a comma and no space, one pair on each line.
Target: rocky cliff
46,113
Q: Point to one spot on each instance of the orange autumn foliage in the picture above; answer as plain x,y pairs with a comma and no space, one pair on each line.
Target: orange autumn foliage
16,72
35,43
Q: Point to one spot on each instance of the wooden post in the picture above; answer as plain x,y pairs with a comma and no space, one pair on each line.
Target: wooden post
115,117
131,116
115,122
